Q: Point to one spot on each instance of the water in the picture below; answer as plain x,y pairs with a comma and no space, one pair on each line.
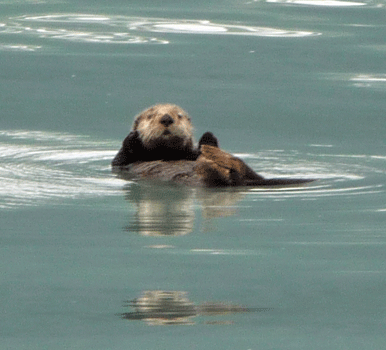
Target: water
295,88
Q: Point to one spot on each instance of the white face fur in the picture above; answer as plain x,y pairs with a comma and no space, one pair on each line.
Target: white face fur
150,127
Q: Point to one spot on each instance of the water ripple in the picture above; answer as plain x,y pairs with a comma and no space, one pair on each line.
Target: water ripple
375,81
42,167
325,3
314,192
38,168
16,47
77,28
125,29
337,174
208,27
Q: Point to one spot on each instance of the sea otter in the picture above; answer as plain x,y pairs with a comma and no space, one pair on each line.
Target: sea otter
160,146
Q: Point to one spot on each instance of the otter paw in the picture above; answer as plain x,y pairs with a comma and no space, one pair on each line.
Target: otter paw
208,139
132,142
131,148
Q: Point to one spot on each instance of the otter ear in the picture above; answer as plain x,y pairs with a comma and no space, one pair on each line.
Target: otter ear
208,139
136,122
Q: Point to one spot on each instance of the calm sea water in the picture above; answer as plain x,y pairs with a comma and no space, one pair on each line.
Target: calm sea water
294,87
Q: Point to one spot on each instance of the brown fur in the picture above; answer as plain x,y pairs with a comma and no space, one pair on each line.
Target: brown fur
233,170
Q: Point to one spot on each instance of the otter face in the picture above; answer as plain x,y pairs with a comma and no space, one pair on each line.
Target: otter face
164,125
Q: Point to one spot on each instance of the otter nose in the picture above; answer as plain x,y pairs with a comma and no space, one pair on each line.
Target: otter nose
166,120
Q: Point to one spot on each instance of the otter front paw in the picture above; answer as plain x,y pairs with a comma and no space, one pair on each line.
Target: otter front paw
130,151
208,139
132,142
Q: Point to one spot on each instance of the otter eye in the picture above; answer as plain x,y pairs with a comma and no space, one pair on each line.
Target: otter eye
149,116
180,116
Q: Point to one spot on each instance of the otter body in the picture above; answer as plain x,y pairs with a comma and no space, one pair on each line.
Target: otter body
213,168
160,147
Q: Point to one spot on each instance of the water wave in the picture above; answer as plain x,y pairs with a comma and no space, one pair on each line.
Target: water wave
208,27
337,174
325,3
125,29
38,168
314,192
18,47
375,81
77,28
206,251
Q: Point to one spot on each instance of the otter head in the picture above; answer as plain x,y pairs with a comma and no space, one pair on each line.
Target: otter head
164,125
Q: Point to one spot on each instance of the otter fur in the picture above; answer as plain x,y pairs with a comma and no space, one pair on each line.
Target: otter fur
161,132
160,147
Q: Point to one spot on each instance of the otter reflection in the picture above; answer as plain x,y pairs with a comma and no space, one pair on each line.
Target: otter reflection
169,210
161,210
158,307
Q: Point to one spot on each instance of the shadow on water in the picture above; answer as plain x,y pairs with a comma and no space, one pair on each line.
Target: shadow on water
158,307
